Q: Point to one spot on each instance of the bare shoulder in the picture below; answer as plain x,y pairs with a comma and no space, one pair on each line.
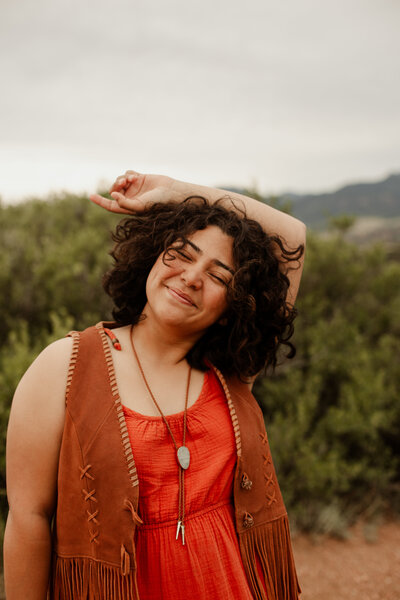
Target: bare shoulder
40,395
57,354
47,375
35,429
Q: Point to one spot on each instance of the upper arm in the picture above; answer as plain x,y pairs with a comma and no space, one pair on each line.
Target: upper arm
35,431
294,269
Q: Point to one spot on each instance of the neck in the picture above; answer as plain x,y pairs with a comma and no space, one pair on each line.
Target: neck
165,345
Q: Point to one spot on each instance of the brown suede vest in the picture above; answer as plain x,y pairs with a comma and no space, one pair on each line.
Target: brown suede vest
98,489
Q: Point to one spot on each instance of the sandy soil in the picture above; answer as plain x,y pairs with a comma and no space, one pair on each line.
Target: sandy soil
356,568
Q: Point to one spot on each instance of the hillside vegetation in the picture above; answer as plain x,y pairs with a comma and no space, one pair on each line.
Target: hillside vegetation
332,413
378,199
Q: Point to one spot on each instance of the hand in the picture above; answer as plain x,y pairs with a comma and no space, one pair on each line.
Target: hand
132,191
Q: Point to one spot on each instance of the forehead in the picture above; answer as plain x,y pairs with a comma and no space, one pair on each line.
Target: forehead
213,243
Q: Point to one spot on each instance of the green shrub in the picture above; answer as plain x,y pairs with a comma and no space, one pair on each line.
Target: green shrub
332,414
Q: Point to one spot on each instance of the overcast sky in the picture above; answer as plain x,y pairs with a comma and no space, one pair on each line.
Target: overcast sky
299,95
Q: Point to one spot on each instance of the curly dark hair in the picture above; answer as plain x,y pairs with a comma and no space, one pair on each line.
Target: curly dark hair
258,320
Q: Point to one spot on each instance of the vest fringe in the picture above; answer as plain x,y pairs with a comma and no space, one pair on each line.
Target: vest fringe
269,546
86,579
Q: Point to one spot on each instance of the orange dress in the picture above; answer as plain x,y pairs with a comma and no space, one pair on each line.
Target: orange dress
209,565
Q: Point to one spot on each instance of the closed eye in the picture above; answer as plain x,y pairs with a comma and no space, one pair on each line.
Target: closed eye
219,279
183,255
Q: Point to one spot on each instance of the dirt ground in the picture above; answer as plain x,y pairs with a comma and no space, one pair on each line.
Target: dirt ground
364,567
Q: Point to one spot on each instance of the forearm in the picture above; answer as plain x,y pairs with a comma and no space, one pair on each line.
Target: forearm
27,556
271,220
133,191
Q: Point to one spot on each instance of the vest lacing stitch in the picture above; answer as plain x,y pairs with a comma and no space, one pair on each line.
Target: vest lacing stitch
135,517
118,406
92,516
72,363
269,478
85,472
89,495
232,411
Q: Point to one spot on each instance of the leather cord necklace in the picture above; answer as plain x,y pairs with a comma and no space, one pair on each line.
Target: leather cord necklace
182,452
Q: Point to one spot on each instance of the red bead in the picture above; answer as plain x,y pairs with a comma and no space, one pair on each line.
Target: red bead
113,338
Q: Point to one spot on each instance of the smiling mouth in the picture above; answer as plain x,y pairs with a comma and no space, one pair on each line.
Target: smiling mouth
181,296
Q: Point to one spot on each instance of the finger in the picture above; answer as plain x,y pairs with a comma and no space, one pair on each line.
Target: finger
129,204
119,184
124,181
110,205
131,175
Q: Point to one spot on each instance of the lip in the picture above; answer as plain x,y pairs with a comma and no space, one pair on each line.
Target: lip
181,296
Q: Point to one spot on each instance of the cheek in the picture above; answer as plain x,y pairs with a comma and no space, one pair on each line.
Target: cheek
170,267
159,272
217,301
153,277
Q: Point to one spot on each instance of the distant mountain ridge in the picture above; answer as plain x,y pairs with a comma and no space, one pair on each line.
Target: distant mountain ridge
378,199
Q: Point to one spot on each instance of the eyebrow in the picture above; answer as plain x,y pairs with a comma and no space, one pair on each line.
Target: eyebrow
215,260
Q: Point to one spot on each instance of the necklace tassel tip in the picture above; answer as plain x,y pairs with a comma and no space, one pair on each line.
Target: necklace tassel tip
179,525
180,528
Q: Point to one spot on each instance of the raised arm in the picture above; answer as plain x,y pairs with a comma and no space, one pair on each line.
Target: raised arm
132,191
273,221
33,444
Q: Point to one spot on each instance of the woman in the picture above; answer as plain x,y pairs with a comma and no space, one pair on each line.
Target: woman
142,436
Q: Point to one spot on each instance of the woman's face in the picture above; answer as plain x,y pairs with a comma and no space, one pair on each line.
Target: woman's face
187,290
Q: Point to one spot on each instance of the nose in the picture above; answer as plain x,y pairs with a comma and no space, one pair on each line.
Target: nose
192,276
